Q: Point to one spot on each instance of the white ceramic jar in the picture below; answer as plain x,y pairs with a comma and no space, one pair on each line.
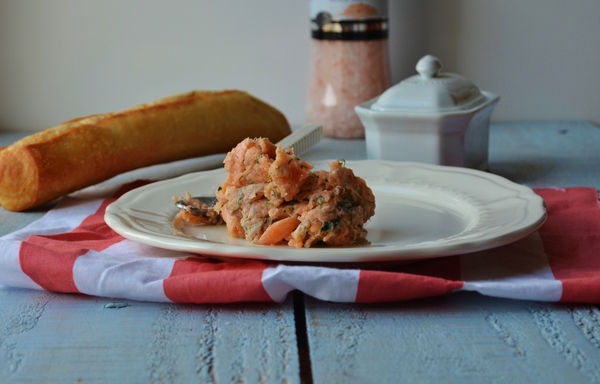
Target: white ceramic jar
433,117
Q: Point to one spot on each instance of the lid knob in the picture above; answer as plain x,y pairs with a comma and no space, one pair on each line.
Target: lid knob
429,66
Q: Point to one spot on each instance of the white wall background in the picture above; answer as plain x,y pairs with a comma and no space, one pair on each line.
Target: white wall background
62,59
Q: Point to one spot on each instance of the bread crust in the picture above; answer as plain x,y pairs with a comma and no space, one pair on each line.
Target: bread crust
44,166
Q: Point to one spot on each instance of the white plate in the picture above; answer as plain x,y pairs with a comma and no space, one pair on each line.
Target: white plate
422,211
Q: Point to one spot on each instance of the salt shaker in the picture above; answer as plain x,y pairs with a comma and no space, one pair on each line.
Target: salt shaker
349,62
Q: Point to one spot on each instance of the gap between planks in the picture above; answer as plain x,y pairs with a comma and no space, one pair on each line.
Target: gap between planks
302,338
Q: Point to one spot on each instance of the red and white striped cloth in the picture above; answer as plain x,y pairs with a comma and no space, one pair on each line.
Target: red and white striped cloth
71,249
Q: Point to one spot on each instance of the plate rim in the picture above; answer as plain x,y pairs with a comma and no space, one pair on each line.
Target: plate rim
114,219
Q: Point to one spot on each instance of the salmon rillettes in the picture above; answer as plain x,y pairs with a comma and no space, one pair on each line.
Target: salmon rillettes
272,197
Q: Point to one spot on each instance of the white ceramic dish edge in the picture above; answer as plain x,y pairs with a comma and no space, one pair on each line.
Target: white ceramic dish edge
491,212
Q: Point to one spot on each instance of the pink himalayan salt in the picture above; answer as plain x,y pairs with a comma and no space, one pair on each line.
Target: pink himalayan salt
343,75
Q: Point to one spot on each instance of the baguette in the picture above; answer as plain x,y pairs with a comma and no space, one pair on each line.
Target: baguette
44,166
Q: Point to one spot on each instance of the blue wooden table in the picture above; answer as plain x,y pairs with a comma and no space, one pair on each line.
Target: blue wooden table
457,338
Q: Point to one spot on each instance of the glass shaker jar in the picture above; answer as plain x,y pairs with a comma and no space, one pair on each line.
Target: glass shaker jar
349,62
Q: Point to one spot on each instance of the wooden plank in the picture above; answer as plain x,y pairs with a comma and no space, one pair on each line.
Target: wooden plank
58,338
462,338
466,337
61,338
545,154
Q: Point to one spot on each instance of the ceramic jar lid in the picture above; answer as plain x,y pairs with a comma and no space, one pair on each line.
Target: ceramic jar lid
430,91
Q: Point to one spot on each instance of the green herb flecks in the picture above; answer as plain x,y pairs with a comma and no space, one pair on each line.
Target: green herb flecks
330,225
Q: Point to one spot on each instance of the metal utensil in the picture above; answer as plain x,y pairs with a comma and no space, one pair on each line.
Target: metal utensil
301,140
210,202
